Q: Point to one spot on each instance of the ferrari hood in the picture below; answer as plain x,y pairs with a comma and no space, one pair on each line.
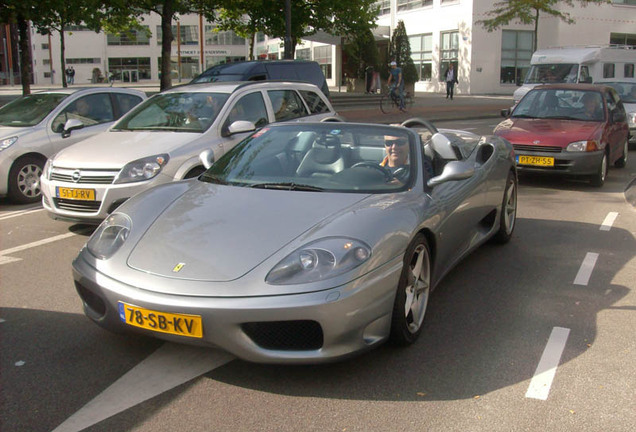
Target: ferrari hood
114,149
548,132
219,233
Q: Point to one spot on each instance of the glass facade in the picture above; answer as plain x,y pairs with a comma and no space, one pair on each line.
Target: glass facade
129,69
213,37
422,55
322,55
516,52
449,51
132,37
189,34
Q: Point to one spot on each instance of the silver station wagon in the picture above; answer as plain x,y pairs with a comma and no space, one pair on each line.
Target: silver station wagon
35,127
161,140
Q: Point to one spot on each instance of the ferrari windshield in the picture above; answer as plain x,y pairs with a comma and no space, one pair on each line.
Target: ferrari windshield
333,157
29,110
175,112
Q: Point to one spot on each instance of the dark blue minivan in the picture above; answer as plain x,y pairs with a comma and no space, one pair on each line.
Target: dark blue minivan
261,70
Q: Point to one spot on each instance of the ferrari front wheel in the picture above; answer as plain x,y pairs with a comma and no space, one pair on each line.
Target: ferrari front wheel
412,294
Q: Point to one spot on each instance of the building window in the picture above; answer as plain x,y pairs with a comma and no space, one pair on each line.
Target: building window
46,62
629,70
260,37
384,7
449,51
47,74
45,46
623,39
403,5
625,2
303,54
83,61
123,67
213,37
130,37
322,55
189,34
74,28
422,55
516,52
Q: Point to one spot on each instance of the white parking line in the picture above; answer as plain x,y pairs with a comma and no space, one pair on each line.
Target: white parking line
609,221
583,276
168,367
5,259
544,375
19,213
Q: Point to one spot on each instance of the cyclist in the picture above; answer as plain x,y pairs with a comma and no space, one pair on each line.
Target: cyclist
396,78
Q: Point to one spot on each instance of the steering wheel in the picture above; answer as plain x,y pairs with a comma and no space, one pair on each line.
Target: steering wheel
385,172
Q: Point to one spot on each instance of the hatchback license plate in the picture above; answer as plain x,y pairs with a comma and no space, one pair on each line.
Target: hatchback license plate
75,194
535,160
176,324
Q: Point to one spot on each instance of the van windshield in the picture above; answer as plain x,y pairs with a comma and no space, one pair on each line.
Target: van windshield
556,73
217,77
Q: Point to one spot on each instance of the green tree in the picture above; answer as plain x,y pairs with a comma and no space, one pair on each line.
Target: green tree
121,11
56,15
335,17
528,12
243,17
400,52
361,52
20,13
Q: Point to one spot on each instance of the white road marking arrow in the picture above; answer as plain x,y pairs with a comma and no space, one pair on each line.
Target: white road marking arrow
169,366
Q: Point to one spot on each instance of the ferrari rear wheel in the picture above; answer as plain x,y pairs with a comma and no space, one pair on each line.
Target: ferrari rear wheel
412,294
508,216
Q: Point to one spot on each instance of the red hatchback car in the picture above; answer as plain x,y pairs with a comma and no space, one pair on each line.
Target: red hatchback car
569,129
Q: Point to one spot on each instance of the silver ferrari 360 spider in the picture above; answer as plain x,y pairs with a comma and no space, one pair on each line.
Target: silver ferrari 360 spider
305,243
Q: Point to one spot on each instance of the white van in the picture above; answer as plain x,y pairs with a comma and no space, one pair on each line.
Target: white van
589,64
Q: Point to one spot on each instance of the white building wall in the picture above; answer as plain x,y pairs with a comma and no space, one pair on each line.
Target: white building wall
479,51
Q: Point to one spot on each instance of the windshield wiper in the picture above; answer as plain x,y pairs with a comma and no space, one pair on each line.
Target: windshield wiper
524,116
211,178
288,186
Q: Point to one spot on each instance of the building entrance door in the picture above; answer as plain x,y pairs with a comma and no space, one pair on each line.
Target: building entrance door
129,75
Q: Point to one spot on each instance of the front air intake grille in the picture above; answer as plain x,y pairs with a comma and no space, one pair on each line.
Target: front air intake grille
285,335
84,176
76,205
536,148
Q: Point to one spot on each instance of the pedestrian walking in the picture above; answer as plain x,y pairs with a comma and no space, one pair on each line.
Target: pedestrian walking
450,77
67,72
72,75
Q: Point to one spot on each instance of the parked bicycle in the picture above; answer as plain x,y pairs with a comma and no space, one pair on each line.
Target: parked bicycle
390,101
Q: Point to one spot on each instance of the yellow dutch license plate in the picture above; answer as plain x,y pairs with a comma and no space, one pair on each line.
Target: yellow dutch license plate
176,324
75,194
535,160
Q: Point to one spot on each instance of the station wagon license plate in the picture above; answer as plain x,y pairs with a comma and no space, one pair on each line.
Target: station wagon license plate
535,160
75,194
176,324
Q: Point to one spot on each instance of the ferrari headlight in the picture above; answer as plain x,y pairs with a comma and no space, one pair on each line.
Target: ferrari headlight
7,142
142,169
109,236
583,146
319,260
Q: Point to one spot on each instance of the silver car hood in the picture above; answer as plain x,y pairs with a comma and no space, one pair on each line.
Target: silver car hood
115,149
220,233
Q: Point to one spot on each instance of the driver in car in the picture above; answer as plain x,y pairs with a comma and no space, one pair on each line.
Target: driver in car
397,156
